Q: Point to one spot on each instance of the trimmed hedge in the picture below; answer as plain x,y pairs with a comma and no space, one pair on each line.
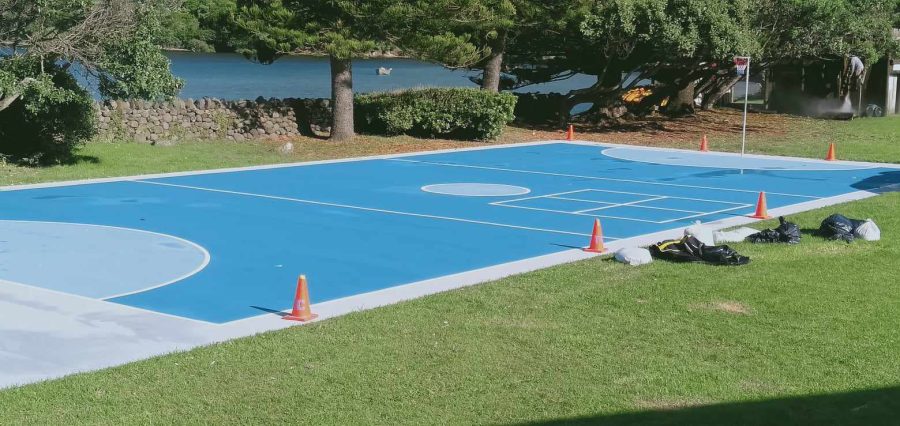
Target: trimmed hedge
446,113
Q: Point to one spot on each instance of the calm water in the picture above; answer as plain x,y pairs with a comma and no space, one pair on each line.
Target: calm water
228,76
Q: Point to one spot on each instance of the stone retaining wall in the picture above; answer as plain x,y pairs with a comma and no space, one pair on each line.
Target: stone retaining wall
209,118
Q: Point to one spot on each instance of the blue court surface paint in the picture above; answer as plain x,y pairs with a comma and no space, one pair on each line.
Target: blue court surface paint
355,227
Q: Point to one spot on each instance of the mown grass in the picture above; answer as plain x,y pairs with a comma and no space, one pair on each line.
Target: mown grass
862,139
804,334
593,340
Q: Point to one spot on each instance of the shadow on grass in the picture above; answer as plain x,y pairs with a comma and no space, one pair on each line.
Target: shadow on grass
37,163
81,159
865,407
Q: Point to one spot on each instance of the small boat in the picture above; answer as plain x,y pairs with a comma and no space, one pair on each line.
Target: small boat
384,71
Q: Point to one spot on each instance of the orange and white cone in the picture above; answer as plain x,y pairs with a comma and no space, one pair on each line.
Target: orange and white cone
761,208
301,310
596,245
832,156
704,144
570,134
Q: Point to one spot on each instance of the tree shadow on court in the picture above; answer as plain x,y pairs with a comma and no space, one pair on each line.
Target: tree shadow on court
864,407
881,183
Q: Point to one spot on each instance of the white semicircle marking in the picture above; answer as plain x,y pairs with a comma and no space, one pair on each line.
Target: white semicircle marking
96,261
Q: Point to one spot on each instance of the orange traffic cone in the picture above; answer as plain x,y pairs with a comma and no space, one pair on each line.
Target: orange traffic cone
831,154
301,310
761,209
570,134
596,239
704,144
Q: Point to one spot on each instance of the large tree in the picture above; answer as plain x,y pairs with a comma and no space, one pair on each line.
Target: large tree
342,30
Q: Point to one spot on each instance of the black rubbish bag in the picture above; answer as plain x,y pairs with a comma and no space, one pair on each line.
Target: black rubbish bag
690,249
839,227
786,232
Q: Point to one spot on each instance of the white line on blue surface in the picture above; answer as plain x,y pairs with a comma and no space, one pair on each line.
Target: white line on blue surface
369,209
534,172
632,203
580,200
557,196
707,214
578,214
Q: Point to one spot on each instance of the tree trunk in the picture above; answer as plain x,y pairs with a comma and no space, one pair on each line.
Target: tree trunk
682,102
490,77
341,99
715,92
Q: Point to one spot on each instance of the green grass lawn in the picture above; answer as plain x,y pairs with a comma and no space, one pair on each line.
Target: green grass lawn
862,139
805,334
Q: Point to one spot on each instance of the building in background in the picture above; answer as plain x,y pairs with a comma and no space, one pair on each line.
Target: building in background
837,87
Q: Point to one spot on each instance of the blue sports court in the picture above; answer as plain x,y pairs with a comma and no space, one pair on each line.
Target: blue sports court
220,246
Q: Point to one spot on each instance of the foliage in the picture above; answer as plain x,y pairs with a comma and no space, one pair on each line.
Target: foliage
135,68
823,29
273,28
53,115
449,113
200,26
111,40
688,44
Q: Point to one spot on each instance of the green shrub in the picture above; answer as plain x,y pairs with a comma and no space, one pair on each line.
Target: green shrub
52,117
446,113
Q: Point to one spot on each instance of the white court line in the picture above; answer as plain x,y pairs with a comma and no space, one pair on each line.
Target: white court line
666,196
634,205
579,199
621,205
707,214
579,214
638,206
596,178
369,209
542,196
